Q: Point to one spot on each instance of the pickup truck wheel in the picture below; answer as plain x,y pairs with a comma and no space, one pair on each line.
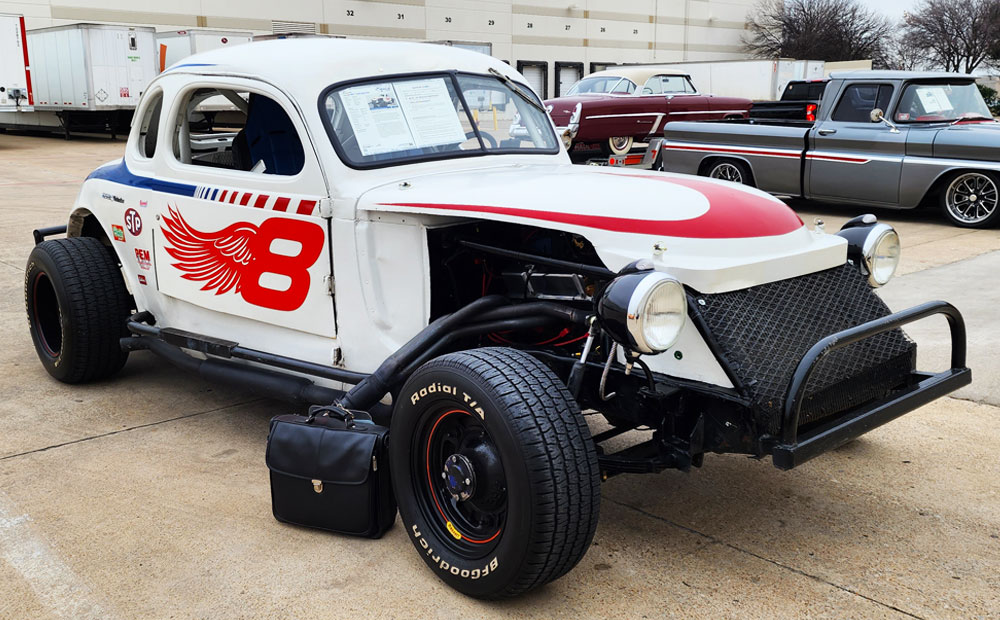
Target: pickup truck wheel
730,170
77,305
494,471
619,145
970,200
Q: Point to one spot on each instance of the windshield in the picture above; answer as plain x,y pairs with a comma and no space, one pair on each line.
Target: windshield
602,84
940,102
417,118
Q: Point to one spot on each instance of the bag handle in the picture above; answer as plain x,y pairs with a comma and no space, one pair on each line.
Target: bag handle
333,411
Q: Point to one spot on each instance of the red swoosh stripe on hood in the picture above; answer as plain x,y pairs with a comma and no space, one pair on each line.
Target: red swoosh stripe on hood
732,214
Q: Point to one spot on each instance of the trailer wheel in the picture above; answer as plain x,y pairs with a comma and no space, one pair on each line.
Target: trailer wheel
730,170
494,471
970,200
77,305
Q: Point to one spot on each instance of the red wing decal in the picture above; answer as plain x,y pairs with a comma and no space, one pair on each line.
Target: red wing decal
219,259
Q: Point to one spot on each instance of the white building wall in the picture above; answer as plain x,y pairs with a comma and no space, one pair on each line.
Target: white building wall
586,31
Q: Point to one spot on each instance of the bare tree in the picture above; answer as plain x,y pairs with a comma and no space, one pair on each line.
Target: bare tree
904,54
955,35
818,29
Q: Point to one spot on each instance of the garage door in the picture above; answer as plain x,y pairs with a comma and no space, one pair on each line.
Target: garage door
535,74
568,74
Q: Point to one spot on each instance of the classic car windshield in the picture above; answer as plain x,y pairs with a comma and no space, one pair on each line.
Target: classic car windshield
603,84
379,123
939,101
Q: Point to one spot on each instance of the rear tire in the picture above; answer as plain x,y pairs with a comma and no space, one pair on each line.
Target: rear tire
494,471
77,305
617,145
731,170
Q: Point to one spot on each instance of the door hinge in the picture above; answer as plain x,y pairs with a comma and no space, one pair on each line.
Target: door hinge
326,208
328,283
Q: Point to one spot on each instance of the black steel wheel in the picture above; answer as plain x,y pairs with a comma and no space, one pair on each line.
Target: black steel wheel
970,200
494,472
77,305
730,170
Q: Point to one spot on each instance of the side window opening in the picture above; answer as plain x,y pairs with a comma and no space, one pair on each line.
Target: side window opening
859,100
222,128
149,125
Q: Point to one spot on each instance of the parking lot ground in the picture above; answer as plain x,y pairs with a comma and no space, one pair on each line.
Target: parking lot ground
147,496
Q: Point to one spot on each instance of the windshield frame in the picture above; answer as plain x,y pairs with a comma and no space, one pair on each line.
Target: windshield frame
452,75
573,92
931,82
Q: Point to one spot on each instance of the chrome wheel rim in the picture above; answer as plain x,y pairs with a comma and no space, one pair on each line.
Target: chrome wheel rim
972,198
727,172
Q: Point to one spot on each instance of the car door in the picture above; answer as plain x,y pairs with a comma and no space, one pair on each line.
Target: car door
238,232
850,157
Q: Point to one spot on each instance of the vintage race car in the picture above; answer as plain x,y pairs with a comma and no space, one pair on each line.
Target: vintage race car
344,231
622,105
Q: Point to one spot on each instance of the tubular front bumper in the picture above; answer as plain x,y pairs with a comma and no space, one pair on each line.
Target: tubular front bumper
792,448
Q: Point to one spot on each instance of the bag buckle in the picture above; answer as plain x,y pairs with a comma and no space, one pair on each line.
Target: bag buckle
318,486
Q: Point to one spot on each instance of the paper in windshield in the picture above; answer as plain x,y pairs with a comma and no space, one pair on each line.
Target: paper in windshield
389,117
934,99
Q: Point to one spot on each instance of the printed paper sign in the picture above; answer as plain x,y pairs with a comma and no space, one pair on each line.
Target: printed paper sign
934,99
389,117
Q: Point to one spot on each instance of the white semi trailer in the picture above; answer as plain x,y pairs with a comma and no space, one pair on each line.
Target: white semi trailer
176,45
16,94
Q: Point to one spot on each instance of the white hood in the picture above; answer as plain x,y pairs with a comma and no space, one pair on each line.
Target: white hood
718,236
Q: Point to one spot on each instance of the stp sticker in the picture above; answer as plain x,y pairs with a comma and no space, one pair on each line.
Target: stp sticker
133,222
232,260
142,257
142,279
118,232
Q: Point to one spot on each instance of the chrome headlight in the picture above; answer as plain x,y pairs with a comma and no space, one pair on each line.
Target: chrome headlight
873,247
643,311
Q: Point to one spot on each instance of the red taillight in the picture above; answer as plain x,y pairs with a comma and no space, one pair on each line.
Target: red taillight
810,111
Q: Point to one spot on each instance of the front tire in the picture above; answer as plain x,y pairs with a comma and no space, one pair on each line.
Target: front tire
494,471
970,200
77,306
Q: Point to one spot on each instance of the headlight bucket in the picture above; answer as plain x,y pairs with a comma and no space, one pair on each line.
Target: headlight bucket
873,247
643,311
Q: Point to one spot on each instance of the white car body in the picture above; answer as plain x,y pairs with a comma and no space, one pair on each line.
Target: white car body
368,288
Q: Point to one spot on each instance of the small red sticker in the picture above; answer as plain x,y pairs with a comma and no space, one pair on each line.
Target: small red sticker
142,279
133,222
142,257
123,91
118,232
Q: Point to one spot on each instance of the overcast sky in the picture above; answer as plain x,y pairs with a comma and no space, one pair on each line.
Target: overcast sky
893,8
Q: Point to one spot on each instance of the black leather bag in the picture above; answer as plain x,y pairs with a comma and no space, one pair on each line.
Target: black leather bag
330,470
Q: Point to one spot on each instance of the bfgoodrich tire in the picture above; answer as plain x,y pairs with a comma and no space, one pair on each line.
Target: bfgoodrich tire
494,471
77,305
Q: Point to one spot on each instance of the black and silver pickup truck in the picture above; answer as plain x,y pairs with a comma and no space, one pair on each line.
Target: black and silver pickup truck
881,138
799,101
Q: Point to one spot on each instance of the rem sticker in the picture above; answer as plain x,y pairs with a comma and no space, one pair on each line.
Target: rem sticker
142,257
142,279
133,222
232,260
113,198
118,232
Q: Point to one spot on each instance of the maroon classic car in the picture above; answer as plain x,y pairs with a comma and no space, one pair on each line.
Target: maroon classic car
610,109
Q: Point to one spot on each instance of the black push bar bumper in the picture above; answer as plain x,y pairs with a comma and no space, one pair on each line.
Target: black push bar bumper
793,449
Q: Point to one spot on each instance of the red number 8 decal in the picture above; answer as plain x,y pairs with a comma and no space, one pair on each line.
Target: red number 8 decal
295,267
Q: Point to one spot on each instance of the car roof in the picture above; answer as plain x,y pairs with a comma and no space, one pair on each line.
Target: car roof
305,66
638,74
898,75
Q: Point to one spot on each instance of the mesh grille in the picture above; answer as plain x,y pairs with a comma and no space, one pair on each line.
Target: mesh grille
764,331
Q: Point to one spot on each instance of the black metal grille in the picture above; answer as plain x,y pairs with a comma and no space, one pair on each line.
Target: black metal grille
763,332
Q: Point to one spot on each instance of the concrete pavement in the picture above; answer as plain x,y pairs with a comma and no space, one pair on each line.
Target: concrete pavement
147,496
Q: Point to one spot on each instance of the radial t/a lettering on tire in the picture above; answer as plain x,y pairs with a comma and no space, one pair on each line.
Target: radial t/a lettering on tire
494,471
77,305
